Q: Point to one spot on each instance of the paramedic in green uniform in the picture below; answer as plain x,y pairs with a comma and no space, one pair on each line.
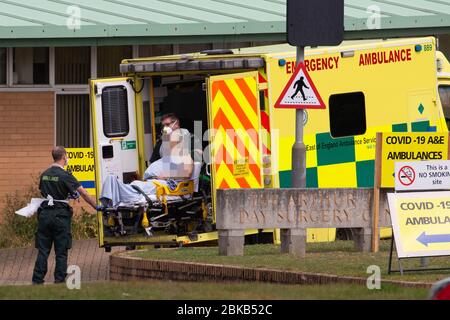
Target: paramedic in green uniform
55,216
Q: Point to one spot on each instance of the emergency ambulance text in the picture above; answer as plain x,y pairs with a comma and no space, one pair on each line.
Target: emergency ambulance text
317,64
372,58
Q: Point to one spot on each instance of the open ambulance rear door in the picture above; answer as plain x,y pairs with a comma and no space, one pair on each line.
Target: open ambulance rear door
114,131
234,122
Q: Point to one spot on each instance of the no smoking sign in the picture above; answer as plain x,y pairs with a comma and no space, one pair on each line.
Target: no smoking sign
406,175
422,175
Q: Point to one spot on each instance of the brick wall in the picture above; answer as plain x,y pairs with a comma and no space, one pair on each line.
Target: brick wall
26,129
27,137
126,268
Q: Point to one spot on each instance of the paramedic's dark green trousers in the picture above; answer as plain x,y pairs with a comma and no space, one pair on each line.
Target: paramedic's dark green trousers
53,227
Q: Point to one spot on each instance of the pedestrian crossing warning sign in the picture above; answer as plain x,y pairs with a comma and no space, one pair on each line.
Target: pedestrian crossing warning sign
300,92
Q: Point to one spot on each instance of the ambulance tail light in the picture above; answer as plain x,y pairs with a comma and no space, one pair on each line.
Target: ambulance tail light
347,54
267,170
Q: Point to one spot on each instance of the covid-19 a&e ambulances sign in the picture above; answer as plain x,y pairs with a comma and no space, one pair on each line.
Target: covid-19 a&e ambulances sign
81,165
421,223
408,146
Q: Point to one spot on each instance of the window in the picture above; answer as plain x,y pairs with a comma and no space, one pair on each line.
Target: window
72,65
2,65
31,66
109,59
444,94
347,114
147,117
262,100
115,111
73,121
156,50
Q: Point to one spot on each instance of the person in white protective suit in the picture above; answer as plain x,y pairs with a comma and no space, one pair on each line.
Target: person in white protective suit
175,164
176,161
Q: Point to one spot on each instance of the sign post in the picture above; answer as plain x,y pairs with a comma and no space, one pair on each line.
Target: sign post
299,93
299,149
310,23
376,195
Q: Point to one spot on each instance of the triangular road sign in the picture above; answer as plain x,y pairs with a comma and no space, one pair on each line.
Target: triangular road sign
300,92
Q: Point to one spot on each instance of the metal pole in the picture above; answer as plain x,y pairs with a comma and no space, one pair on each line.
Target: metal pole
424,262
298,149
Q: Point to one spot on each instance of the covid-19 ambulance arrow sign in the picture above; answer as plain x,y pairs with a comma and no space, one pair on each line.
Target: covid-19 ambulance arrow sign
300,92
420,221
425,239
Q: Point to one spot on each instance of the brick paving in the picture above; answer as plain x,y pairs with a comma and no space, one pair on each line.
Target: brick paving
16,265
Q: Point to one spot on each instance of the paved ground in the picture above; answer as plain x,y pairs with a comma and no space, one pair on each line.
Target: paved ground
16,265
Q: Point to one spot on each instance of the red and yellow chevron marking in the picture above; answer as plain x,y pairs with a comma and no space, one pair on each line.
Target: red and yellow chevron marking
235,117
265,120
265,133
262,78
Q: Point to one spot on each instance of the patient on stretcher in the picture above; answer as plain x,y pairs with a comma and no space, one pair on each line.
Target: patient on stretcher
174,166
165,171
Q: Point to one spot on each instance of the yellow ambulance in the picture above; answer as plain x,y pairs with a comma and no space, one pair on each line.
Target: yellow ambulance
226,99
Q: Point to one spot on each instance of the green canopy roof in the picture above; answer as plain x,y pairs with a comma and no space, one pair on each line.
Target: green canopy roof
101,22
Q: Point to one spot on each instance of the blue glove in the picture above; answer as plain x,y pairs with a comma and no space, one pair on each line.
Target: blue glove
99,208
172,184
74,195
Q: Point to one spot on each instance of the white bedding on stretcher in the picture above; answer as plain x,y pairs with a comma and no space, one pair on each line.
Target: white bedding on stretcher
115,192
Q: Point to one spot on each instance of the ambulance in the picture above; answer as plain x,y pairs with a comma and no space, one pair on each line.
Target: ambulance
226,98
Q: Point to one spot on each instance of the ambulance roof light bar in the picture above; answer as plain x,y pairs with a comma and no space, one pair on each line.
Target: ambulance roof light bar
193,65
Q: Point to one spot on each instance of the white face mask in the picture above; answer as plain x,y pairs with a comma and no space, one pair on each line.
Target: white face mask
168,129
66,162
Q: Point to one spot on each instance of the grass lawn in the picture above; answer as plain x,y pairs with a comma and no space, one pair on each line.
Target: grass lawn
169,290
337,258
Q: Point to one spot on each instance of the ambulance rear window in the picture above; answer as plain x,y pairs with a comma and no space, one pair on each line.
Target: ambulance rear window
444,94
347,114
115,111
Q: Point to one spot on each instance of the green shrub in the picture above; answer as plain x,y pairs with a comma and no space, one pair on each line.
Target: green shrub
84,225
17,231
